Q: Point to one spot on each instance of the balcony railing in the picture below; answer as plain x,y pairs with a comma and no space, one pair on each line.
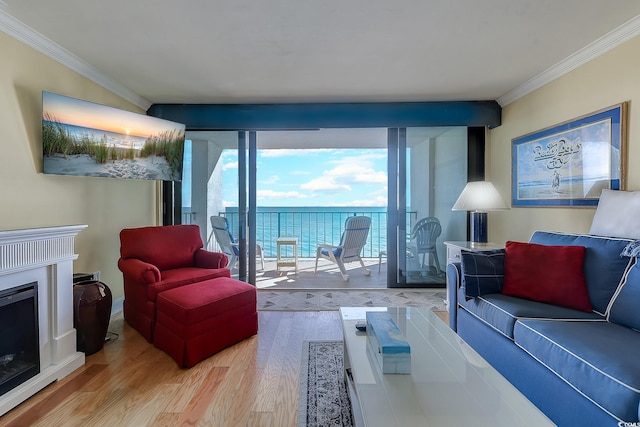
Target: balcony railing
311,227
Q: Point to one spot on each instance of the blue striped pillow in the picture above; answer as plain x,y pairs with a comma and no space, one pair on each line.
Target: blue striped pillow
482,272
632,249
624,310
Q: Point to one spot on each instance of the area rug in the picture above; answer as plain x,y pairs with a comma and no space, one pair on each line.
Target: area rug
324,400
329,300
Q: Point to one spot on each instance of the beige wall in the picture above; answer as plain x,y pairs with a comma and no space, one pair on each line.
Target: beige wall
607,80
30,199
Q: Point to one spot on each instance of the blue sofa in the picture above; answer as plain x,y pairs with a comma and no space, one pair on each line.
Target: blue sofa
579,368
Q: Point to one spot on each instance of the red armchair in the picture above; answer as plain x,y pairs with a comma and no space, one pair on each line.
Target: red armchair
156,259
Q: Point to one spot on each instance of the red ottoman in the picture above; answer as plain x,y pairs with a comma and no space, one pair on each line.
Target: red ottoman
196,321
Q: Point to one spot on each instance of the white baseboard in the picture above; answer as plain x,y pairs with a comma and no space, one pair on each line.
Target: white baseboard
116,306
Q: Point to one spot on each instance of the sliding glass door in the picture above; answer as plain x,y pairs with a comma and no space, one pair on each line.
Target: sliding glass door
427,172
308,184
218,168
426,169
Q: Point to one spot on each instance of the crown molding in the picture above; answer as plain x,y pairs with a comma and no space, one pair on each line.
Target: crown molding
602,45
35,40
21,32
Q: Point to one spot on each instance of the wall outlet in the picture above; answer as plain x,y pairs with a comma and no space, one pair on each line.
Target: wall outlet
96,276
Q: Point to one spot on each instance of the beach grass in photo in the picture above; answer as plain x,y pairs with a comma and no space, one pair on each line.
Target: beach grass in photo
57,140
169,144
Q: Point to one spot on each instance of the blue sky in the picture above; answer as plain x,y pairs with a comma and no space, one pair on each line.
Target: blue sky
313,177
81,113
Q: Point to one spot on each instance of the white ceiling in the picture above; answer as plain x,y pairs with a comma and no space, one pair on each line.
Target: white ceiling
252,51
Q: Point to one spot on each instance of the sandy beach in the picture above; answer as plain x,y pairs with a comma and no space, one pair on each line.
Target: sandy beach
152,167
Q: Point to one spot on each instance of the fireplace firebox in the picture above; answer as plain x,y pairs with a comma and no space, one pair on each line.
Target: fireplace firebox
19,342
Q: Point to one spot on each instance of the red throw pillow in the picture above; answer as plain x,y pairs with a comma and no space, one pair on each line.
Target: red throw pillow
550,274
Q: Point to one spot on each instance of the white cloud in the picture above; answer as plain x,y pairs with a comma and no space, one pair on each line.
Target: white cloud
380,192
326,184
370,177
231,165
271,180
350,173
270,194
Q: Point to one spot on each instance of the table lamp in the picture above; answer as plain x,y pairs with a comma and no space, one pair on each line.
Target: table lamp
478,198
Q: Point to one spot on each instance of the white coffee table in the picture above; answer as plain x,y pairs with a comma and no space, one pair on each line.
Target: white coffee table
449,384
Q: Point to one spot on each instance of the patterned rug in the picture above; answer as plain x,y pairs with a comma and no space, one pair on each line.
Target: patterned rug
324,400
329,300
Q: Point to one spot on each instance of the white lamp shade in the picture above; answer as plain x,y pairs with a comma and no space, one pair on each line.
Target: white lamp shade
479,196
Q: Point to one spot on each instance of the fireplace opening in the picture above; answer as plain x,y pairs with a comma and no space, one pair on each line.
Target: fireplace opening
19,341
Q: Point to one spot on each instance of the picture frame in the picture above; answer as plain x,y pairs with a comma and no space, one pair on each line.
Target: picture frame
82,138
569,164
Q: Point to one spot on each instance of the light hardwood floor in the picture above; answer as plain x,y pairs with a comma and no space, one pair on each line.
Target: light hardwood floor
131,383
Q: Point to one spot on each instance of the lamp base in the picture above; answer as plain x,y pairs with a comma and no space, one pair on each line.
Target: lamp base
479,227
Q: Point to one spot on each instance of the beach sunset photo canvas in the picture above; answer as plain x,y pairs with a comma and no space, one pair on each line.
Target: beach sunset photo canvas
88,139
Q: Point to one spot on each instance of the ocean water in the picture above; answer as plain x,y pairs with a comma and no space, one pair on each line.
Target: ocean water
312,226
119,140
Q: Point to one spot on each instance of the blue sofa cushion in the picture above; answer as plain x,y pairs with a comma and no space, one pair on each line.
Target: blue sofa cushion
598,358
603,265
336,252
625,308
502,311
482,272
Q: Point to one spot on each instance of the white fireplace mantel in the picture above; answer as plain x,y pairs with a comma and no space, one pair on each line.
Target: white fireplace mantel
45,256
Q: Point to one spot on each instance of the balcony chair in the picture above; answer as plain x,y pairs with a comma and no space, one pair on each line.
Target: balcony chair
354,237
157,259
227,243
423,241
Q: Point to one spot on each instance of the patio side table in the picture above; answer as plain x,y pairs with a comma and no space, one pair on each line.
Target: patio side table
284,261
